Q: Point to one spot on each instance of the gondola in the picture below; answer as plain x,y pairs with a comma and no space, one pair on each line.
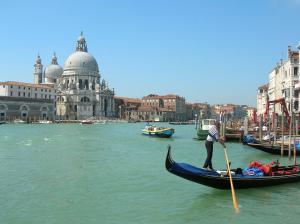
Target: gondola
273,149
217,179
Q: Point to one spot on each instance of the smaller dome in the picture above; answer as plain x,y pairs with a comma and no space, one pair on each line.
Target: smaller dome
53,71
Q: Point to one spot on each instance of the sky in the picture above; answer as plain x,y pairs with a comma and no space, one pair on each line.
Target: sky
211,51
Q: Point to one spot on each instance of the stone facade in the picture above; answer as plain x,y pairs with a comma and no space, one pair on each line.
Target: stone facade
26,101
26,109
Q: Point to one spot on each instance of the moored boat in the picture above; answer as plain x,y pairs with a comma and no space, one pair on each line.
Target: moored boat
206,124
87,122
219,179
163,132
19,121
274,149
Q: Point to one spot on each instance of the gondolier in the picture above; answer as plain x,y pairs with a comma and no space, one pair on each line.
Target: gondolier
213,135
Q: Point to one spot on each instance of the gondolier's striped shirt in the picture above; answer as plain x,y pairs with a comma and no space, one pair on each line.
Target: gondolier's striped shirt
213,134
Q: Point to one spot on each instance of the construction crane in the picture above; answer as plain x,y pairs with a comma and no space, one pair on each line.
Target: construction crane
283,104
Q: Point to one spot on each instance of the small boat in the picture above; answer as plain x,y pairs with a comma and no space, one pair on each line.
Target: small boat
206,124
220,180
2,122
19,121
87,122
44,122
152,130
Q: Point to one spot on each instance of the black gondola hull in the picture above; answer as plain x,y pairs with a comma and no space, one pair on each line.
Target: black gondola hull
273,149
215,180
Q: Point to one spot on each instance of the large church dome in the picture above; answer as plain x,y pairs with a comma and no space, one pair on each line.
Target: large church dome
81,59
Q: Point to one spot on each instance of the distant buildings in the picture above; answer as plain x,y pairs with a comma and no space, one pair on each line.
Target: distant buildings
174,108
162,108
198,111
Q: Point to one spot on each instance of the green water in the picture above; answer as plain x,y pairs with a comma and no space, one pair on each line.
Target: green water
111,173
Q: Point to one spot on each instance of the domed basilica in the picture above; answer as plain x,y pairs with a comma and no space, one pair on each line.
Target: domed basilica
80,92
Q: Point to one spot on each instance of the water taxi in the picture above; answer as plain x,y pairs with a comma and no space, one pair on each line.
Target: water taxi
163,132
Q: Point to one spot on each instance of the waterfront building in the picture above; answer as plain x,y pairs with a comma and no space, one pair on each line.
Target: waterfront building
127,108
283,83
251,114
163,108
261,99
26,101
80,92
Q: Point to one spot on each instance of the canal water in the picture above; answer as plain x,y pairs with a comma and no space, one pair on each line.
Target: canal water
111,173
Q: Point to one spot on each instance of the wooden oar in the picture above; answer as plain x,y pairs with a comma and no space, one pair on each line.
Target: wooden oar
234,199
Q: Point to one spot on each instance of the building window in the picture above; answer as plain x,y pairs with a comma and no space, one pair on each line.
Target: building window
295,71
11,87
28,95
45,90
42,90
11,93
24,94
19,94
24,87
45,96
19,87
86,84
35,95
49,96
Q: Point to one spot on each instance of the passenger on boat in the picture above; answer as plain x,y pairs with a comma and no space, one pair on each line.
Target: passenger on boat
213,135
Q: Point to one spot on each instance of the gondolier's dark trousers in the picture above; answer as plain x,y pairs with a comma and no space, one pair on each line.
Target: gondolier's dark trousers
209,149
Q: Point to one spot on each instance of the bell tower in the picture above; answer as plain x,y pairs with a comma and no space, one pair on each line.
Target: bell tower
38,71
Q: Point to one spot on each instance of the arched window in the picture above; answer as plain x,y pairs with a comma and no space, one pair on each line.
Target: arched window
3,107
85,99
